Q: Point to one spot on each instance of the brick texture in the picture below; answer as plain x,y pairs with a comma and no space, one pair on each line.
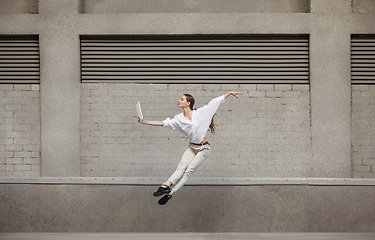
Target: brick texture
266,133
19,130
363,131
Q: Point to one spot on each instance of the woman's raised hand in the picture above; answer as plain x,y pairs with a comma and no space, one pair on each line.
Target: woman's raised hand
232,93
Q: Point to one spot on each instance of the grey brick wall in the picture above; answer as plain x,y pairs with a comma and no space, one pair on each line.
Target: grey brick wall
264,134
19,130
363,131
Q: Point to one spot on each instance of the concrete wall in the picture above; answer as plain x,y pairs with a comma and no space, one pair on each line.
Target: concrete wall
329,24
363,129
264,134
20,130
319,126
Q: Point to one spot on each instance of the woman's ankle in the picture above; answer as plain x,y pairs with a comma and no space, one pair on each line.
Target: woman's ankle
171,193
167,183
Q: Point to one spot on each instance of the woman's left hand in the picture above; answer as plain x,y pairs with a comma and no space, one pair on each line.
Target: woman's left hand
232,93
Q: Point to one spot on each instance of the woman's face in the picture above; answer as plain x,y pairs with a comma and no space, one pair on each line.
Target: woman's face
182,103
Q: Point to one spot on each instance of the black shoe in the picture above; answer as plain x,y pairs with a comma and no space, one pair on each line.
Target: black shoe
162,190
164,199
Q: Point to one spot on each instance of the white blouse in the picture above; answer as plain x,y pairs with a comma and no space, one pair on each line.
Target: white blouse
196,129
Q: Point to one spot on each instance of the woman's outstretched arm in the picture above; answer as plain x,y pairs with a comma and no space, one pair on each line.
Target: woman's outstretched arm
232,93
152,123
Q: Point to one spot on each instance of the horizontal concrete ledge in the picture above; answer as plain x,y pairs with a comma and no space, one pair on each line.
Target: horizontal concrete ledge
222,181
184,236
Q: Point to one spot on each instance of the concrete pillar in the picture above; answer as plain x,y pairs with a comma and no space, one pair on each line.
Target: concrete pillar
60,88
330,90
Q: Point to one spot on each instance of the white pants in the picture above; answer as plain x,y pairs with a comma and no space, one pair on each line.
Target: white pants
193,157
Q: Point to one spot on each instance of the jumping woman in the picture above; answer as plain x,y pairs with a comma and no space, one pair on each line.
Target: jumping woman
194,124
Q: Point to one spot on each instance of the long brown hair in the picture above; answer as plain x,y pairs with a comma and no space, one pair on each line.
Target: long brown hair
191,100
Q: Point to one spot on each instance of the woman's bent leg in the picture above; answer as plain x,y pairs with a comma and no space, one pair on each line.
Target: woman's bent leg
185,161
195,163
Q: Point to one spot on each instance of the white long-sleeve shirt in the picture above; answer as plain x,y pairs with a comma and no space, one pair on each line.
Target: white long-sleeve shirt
196,129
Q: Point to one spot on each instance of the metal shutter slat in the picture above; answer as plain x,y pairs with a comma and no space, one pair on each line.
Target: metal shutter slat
19,77
22,45
363,74
363,62
363,47
28,73
15,57
187,58
24,61
19,69
363,81
363,53
18,39
363,69
93,69
130,56
20,81
93,46
190,40
33,65
363,65
194,77
18,53
218,60
217,64
216,81
5,49
361,41
194,52
195,48
361,58
215,73
363,78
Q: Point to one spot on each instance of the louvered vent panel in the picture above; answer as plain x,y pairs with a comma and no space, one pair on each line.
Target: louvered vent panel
19,59
195,59
363,59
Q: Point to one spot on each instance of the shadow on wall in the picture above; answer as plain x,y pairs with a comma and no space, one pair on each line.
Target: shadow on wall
363,6
184,6
19,7
209,6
